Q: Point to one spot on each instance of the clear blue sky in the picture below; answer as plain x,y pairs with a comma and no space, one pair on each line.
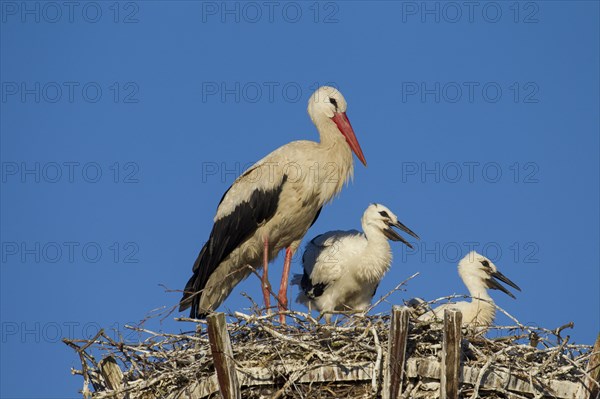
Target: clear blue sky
123,124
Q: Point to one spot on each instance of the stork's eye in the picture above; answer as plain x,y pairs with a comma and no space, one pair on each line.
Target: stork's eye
334,102
384,214
485,263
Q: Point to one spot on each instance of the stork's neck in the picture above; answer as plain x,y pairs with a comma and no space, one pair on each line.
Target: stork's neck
330,134
378,254
335,159
374,235
477,288
481,309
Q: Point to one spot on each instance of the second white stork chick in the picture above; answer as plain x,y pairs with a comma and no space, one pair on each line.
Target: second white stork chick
479,274
342,269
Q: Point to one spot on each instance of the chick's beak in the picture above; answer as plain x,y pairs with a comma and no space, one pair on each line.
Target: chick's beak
405,229
391,234
495,284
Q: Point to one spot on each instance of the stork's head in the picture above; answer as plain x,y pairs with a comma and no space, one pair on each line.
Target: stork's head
478,269
381,218
328,105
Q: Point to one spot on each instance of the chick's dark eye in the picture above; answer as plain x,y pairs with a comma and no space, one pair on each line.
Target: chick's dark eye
384,214
485,263
334,102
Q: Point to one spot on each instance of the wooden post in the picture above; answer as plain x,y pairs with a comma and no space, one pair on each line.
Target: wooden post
220,347
450,354
396,356
112,374
593,370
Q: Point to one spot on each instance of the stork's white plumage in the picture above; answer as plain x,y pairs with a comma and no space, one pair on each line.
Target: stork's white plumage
479,274
272,205
342,269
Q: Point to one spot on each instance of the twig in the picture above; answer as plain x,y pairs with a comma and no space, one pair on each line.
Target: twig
383,298
482,372
268,285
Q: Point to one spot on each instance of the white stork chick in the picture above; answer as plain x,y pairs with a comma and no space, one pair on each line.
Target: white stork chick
342,269
271,206
478,274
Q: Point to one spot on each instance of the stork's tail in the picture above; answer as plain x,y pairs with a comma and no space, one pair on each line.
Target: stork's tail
302,298
193,290
297,280
190,296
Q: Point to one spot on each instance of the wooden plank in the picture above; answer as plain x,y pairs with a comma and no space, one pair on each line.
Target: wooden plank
450,354
497,378
222,353
396,356
258,376
593,369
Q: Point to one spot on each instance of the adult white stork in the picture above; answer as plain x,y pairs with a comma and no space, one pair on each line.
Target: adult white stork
478,273
272,205
342,269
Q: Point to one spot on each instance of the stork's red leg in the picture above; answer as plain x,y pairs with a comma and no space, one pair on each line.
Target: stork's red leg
283,300
265,276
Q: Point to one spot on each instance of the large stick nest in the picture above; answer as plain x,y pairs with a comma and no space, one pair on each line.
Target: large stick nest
164,365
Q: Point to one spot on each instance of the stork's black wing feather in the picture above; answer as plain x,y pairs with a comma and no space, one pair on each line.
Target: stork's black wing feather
226,235
316,216
375,290
311,290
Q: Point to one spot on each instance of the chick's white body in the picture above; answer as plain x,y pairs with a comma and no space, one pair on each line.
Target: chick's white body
350,265
342,269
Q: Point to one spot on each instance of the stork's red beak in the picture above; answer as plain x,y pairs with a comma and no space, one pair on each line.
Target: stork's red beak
342,122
